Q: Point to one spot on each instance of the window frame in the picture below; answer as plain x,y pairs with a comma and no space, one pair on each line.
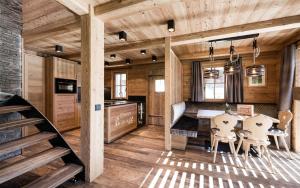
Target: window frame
208,65
114,85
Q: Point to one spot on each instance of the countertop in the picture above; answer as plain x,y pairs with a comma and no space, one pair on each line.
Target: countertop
109,103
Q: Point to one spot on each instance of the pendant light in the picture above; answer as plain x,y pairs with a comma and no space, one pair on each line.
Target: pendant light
255,70
233,65
171,25
127,61
122,36
59,49
154,58
211,73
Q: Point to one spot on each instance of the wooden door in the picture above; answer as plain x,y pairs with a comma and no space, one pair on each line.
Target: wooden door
156,100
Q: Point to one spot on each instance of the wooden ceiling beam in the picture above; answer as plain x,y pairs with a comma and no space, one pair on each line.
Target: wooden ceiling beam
117,9
79,7
232,31
224,52
42,33
134,62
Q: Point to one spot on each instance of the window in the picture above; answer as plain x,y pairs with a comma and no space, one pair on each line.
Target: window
214,88
159,86
120,85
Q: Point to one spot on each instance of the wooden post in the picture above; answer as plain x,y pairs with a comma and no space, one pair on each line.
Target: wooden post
296,105
168,94
92,103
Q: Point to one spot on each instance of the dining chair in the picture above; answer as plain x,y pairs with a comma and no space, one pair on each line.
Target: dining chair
224,132
255,133
285,118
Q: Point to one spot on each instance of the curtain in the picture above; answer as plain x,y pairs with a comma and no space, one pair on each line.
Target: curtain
287,77
234,90
197,82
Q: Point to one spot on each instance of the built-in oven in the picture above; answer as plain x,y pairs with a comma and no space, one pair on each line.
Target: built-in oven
141,108
65,86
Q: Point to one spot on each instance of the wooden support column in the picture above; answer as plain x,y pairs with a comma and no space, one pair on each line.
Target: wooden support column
168,94
296,105
92,102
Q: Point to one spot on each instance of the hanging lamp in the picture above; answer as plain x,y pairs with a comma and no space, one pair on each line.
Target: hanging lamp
233,65
211,73
255,70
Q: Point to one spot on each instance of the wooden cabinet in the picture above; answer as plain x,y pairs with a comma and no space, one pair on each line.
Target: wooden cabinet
65,116
64,68
62,109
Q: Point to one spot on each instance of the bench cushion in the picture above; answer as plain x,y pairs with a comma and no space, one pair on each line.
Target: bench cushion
185,126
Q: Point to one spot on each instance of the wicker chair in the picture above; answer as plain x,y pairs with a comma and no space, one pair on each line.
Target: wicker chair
285,118
224,132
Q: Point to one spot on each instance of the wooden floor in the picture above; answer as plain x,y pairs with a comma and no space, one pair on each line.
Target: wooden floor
139,160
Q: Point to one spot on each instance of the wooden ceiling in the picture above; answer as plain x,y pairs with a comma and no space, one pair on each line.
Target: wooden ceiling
47,23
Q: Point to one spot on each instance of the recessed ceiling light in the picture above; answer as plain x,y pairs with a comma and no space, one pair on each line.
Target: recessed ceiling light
122,36
106,63
113,56
154,58
143,52
127,61
59,49
171,25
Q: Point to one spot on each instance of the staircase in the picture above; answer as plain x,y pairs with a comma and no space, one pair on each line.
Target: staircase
72,168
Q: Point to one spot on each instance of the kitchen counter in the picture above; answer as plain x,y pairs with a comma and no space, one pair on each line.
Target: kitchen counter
109,103
120,117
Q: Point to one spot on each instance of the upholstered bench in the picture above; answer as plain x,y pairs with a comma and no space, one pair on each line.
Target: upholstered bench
183,126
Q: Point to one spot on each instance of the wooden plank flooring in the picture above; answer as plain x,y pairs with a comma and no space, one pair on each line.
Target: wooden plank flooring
139,160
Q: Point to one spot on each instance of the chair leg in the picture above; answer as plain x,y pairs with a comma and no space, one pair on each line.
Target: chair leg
247,148
212,144
286,146
232,148
269,157
276,142
239,145
216,150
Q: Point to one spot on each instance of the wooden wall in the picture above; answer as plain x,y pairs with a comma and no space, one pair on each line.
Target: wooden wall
265,94
138,77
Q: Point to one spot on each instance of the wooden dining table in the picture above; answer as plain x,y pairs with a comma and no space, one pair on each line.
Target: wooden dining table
210,114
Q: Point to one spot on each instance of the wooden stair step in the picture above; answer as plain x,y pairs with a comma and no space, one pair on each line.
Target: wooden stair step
56,178
14,108
20,123
16,169
25,142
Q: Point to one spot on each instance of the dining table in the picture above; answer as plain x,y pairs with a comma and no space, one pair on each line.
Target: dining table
210,114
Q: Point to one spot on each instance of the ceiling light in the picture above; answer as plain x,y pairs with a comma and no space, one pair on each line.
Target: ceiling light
106,63
171,25
211,73
154,58
255,70
59,49
127,61
143,52
113,56
233,65
122,36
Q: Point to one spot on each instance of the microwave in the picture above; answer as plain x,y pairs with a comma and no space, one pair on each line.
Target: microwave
65,86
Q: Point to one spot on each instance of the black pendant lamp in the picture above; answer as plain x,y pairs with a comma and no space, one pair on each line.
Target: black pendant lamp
255,70
122,36
171,25
211,73
154,58
233,65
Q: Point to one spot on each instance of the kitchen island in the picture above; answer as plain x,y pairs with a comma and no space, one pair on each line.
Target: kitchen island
120,117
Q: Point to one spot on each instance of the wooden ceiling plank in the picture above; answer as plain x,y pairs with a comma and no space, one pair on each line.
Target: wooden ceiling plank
232,31
117,9
79,7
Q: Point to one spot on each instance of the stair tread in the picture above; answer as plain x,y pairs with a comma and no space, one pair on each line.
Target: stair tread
20,123
16,169
13,108
57,177
25,142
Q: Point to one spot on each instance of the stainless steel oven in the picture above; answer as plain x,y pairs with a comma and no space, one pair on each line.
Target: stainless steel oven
65,86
